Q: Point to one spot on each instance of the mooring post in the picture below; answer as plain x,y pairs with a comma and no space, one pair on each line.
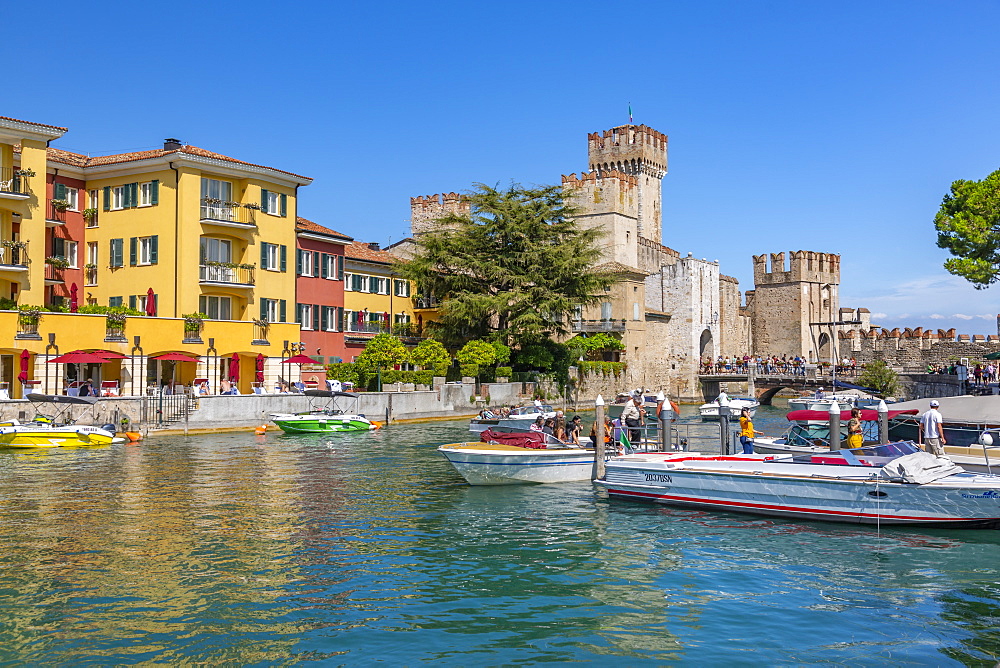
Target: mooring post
834,426
724,423
598,472
883,422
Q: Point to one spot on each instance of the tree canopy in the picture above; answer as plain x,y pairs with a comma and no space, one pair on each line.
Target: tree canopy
514,269
968,225
430,354
878,376
382,351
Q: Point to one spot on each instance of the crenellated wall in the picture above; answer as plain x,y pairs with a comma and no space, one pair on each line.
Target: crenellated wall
915,348
425,211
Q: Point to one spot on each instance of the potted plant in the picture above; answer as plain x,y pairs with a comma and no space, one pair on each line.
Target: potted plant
89,215
24,172
59,205
193,322
29,315
57,261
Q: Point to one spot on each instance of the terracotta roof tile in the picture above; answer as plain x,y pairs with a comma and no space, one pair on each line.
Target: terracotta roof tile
357,250
309,226
66,157
44,125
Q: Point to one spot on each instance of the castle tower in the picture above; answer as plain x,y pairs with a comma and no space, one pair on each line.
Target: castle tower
788,296
610,203
639,151
426,211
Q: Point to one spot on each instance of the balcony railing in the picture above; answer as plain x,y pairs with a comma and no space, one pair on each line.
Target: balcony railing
14,253
13,182
425,302
355,327
217,211
598,325
54,273
90,275
54,215
220,273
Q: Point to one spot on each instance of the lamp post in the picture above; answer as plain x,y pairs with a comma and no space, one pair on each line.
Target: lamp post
598,472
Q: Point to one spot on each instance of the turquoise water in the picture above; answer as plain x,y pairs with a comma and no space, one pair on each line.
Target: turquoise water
357,548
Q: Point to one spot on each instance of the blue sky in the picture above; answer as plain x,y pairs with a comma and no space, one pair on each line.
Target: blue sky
834,127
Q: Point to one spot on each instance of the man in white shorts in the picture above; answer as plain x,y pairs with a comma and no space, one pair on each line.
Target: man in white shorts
931,431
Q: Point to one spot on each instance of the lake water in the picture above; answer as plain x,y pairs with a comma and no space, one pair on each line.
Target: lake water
357,548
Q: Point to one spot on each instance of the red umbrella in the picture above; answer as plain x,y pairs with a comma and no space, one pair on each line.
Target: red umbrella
234,368
106,354
175,357
361,317
299,359
78,358
74,302
385,317
150,302
25,356
259,375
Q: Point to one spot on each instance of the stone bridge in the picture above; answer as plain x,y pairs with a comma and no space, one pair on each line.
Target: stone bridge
763,386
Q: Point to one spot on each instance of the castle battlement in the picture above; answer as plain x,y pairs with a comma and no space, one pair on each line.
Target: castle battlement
425,211
610,192
802,267
634,149
571,180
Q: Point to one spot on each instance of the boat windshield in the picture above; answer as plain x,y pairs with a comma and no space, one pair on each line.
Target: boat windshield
898,449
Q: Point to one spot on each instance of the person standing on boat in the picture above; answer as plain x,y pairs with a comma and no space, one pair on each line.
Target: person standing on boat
573,430
932,431
632,418
855,437
747,432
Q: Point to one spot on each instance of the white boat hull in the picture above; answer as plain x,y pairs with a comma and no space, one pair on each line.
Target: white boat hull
480,464
748,484
710,412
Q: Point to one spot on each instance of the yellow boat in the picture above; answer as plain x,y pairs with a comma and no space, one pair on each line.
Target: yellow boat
46,432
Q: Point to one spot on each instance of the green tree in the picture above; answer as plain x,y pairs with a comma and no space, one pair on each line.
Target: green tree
383,351
474,355
968,225
592,346
515,268
430,354
878,376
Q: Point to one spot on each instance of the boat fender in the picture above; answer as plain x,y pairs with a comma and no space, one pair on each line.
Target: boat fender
260,430
133,436
676,409
377,425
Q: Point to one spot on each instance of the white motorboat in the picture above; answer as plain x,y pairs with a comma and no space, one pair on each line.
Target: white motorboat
813,403
810,432
519,457
518,418
710,411
887,484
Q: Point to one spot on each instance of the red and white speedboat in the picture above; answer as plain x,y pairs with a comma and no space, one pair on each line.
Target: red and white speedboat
887,484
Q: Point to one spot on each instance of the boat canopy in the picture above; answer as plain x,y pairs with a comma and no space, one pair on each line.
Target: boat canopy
867,414
329,393
851,386
972,410
61,399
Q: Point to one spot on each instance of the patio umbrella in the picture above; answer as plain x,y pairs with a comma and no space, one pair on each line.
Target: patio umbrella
25,356
234,368
299,359
420,323
150,303
78,357
258,377
108,355
361,317
74,302
175,357
385,317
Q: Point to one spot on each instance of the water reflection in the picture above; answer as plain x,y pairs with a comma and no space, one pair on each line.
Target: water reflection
355,547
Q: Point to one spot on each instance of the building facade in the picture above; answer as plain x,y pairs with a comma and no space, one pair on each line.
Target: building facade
319,290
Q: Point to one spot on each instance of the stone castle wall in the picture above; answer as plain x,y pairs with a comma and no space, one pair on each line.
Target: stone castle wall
915,348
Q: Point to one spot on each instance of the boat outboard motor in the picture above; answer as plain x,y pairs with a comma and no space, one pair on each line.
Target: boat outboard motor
107,426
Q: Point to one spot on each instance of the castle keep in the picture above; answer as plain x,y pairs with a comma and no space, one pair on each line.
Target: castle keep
671,310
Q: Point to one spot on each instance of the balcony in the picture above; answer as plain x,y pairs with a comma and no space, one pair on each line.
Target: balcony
228,214
425,302
14,183
598,325
228,274
14,256
54,217
54,275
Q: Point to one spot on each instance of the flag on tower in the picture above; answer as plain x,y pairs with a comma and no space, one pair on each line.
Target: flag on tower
629,112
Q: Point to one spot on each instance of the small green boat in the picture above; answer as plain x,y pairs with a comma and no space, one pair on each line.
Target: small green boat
327,419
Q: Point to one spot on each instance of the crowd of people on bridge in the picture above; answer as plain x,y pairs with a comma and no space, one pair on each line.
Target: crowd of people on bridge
769,364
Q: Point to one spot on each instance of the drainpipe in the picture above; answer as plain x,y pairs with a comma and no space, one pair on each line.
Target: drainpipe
177,227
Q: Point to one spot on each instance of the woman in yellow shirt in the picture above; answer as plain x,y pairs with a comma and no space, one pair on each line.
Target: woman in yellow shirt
746,432
855,439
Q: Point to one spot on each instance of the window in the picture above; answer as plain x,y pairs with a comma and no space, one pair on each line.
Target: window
90,273
306,262
143,250
272,310
93,202
331,318
348,282
123,196
216,308
215,189
71,253
304,315
114,301
328,266
402,288
139,302
117,253
216,250
69,195
273,203
273,257
605,310
149,193
117,198
357,283
378,286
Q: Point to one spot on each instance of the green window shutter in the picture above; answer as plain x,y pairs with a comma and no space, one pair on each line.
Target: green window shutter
156,303
132,301
58,247
316,259
282,304
154,248
284,205
340,267
324,318
298,314
59,191
263,200
107,198
126,196
339,326
116,253
284,258
133,250
133,194
114,301
263,309
316,308
263,255
298,262
154,192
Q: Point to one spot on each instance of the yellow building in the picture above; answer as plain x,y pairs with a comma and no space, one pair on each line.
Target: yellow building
22,208
376,299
